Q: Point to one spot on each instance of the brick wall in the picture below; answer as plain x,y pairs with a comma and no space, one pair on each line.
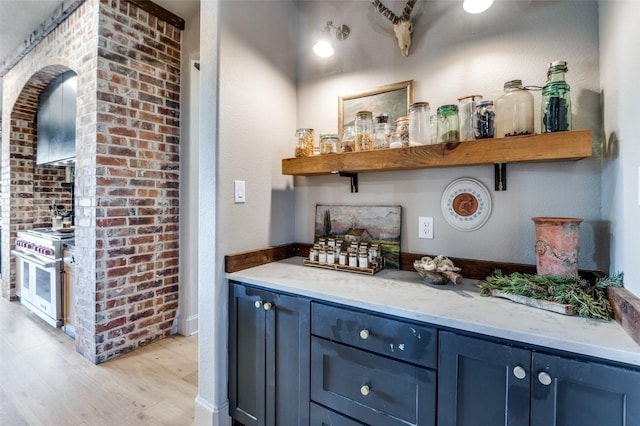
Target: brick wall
127,170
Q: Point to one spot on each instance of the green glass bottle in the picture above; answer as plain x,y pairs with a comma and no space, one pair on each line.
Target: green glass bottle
556,100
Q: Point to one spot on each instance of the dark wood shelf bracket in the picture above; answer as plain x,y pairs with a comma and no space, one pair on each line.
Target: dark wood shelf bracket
500,176
354,180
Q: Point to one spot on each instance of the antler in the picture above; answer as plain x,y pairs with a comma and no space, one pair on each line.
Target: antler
387,12
406,14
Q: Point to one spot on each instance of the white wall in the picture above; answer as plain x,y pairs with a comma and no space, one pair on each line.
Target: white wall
620,68
455,54
187,318
247,120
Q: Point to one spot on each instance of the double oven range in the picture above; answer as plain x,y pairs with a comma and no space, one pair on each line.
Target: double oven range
40,271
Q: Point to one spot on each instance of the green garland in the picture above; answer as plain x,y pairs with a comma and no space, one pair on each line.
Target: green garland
590,300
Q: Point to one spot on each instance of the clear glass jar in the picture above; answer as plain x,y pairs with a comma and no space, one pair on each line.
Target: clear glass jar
383,132
448,124
348,143
322,256
342,258
514,111
329,143
466,109
419,130
364,131
304,147
400,137
484,120
556,100
363,260
433,129
353,258
331,257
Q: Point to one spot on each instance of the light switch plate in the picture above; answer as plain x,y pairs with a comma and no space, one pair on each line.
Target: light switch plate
239,191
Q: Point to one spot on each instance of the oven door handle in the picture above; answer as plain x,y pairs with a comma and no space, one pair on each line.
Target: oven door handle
43,263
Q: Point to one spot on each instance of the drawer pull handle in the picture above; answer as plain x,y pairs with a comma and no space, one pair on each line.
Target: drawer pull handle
544,378
267,306
258,304
364,390
519,372
364,334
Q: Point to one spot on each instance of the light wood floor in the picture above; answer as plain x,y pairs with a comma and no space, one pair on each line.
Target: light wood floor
43,381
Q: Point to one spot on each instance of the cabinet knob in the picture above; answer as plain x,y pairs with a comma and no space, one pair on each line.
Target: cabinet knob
519,372
258,304
364,334
364,390
267,306
544,378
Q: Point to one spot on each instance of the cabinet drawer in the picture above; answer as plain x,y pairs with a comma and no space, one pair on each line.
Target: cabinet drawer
371,388
321,416
389,337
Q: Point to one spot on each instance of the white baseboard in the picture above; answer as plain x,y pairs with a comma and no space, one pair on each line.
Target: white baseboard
207,415
188,326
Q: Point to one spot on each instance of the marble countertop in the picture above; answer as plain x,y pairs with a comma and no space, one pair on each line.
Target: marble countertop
403,294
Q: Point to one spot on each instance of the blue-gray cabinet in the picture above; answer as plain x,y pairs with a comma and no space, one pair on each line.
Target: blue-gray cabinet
296,361
482,382
269,335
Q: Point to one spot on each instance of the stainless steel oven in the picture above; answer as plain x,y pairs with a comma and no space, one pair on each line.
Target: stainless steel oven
39,272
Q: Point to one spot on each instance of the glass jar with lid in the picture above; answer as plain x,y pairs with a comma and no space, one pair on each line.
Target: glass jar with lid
556,99
514,111
400,137
419,129
364,130
448,124
382,132
329,143
304,147
466,108
348,143
484,118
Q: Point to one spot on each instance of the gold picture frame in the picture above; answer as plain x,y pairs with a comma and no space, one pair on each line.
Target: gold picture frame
393,99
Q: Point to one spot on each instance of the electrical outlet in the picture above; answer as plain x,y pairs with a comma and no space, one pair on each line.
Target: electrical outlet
425,227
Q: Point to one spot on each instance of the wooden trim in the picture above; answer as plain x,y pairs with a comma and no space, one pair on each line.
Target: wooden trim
249,259
558,146
626,309
159,12
471,268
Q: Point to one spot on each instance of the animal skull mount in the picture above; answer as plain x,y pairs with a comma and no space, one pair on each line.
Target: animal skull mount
402,25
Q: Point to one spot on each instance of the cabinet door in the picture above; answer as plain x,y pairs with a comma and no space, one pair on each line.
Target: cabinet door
247,347
288,371
482,383
269,341
568,392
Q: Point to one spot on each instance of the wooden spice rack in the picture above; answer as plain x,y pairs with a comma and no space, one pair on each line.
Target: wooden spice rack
559,146
376,267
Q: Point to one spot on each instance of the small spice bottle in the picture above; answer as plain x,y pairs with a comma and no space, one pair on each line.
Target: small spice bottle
353,258
342,258
363,260
331,257
484,118
313,254
448,124
322,256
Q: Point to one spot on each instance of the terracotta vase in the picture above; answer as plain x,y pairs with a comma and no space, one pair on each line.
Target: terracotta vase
557,245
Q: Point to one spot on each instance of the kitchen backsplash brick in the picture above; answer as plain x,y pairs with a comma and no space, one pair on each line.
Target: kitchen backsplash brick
127,169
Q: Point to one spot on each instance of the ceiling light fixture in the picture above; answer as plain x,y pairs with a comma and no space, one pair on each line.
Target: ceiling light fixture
324,47
476,6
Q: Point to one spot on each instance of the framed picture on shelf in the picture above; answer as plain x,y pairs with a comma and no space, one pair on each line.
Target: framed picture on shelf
392,99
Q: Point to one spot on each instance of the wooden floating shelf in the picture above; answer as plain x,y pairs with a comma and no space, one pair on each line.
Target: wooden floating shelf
559,146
